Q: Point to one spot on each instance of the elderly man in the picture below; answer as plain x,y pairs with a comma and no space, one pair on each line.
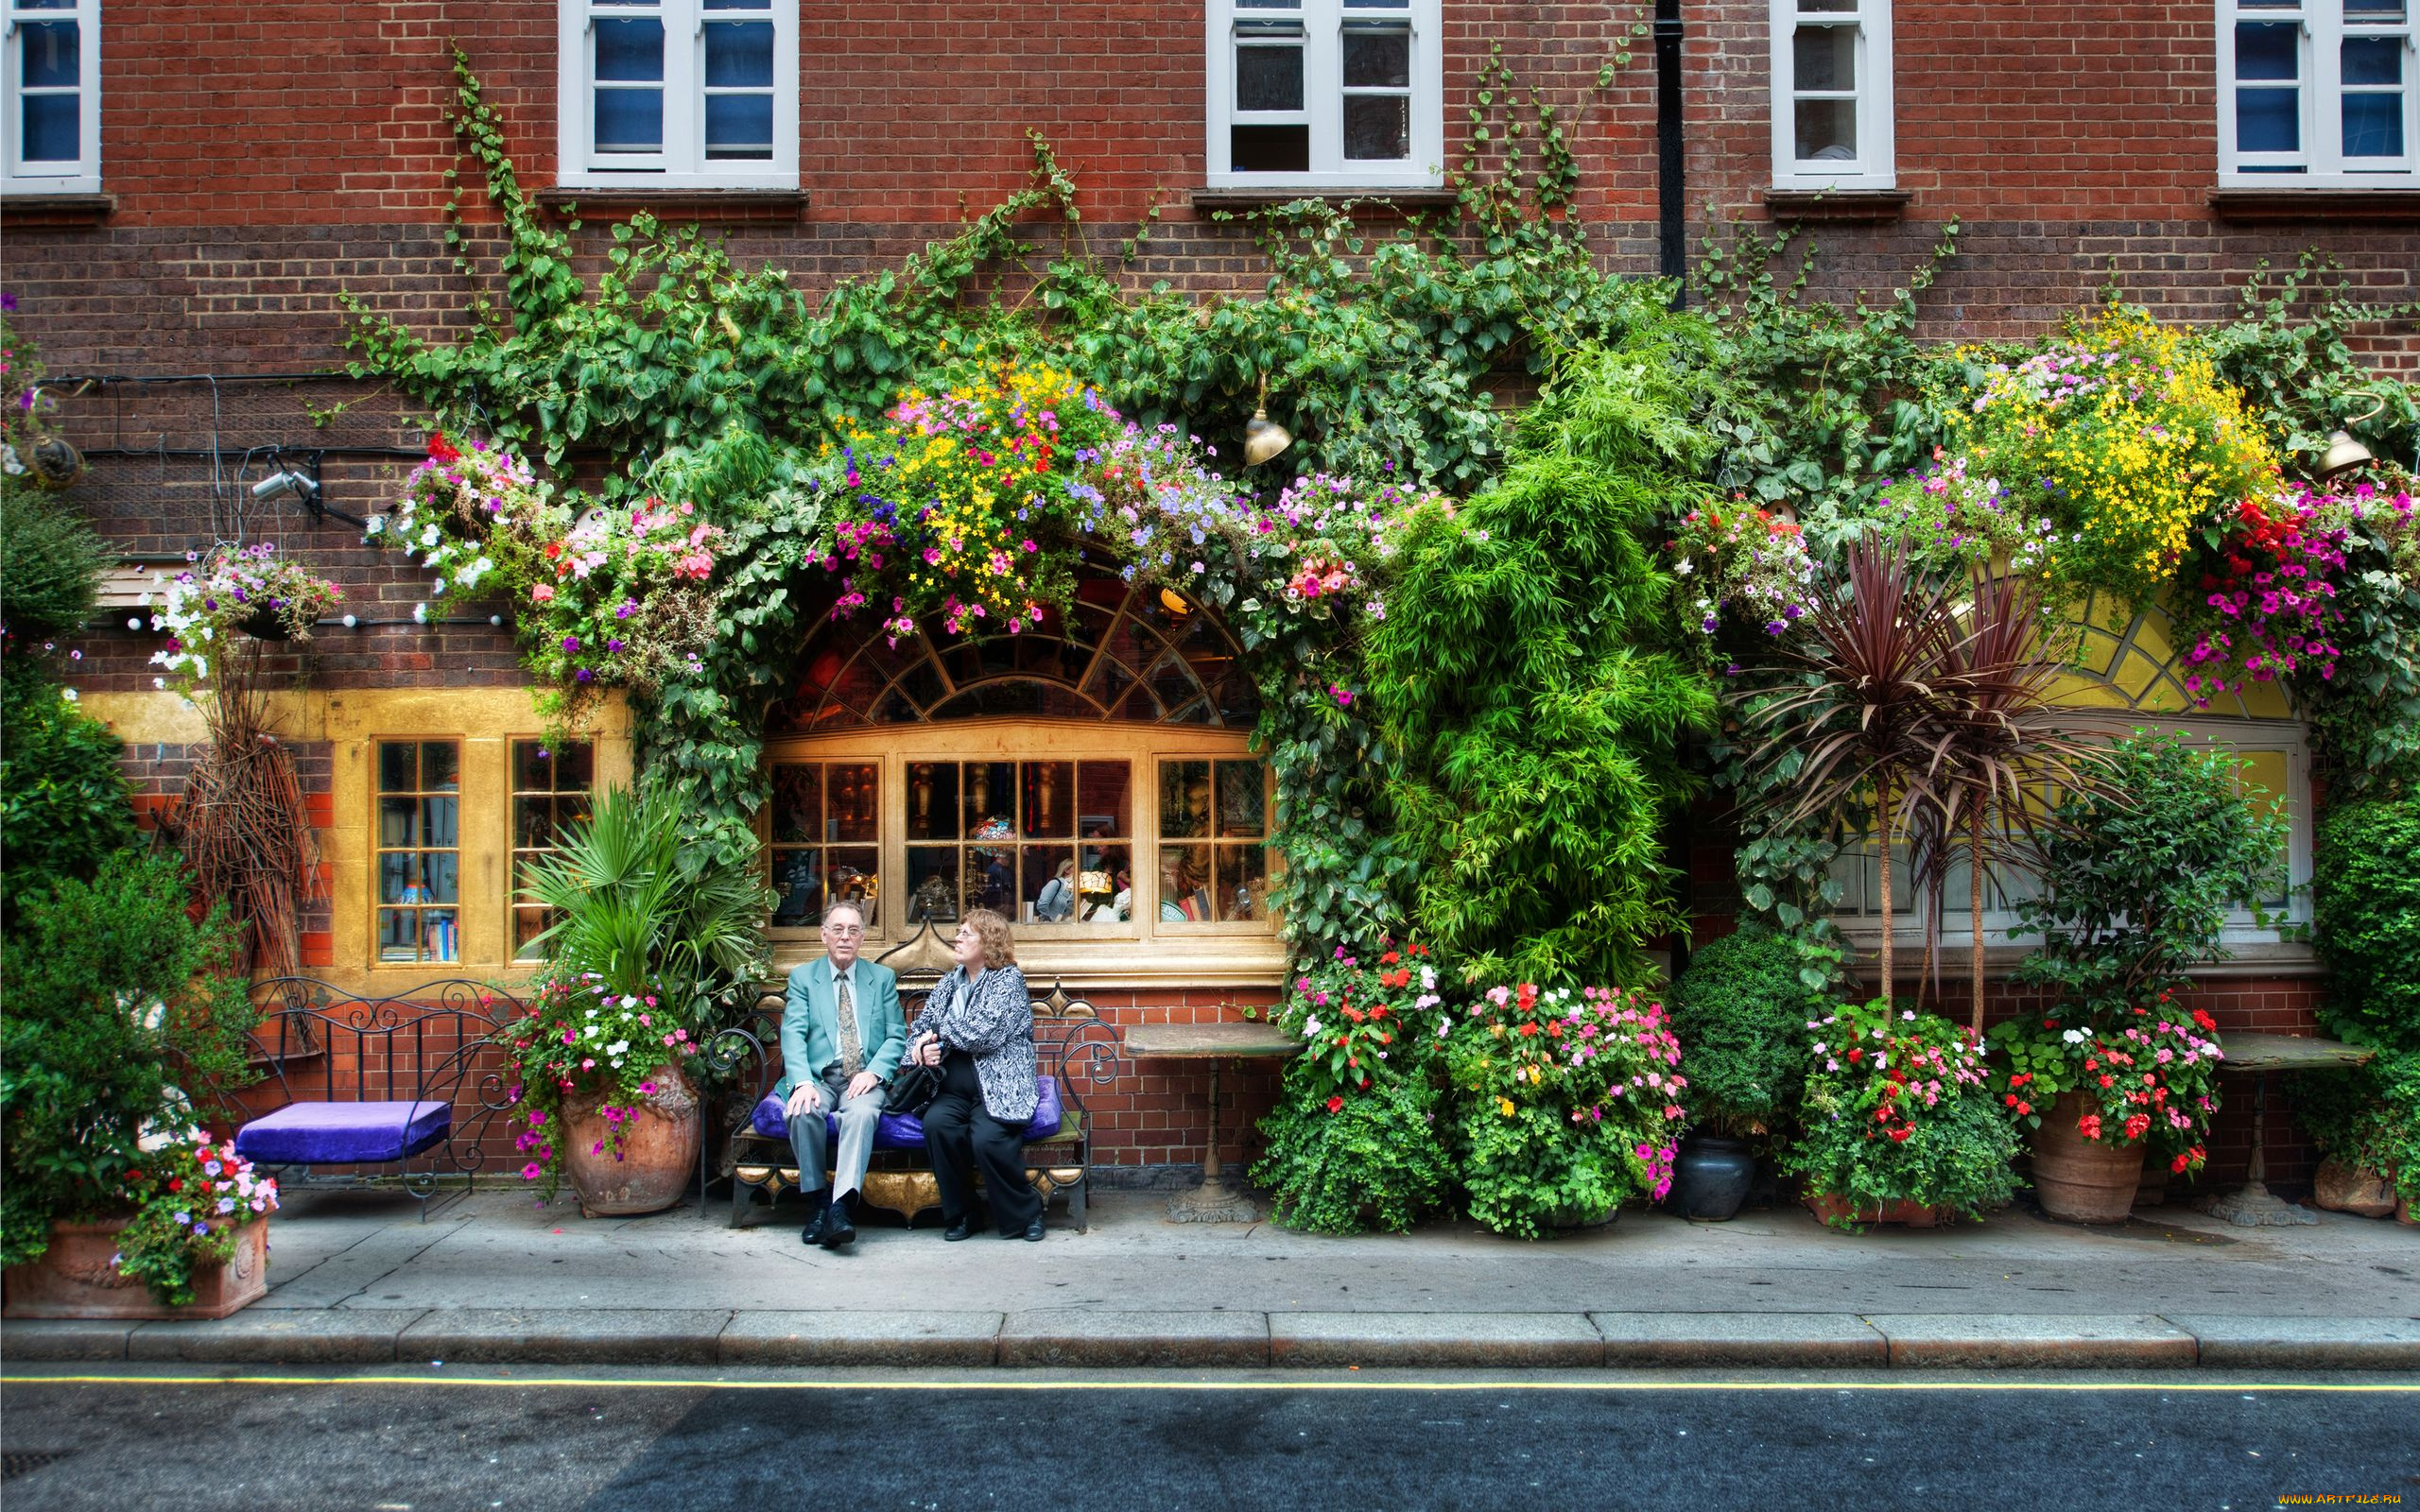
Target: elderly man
842,1036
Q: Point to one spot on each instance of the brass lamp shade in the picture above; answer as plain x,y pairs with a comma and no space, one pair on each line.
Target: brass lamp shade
1264,438
2343,454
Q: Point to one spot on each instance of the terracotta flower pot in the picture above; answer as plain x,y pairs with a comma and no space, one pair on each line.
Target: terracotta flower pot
1828,1206
75,1279
2341,1187
659,1150
2081,1180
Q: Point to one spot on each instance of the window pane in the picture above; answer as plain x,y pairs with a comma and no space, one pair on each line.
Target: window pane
849,877
739,55
534,823
2267,49
392,869
1049,799
1107,883
629,120
932,801
1380,59
1264,151
1242,889
629,51
1185,800
739,125
2373,126
1812,7
436,819
2268,120
739,5
990,880
1269,78
2374,10
533,766
932,883
528,924
2373,61
798,803
1377,127
440,765
1184,883
398,822
1824,57
398,766
990,801
851,813
440,867
1826,130
1101,800
1242,805
1047,885
797,887
49,55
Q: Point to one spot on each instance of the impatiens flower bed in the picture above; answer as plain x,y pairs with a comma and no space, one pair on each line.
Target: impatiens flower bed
189,1200
228,590
1900,1108
581,1036
1568,1102
2149,1074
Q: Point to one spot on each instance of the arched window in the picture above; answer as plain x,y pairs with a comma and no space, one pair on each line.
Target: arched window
1090,777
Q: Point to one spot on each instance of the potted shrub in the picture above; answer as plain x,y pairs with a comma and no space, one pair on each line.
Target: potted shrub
1899,1122
2137,880
654,940
1567,1104
2366,1122
118,1001
1740,1012
1353,1142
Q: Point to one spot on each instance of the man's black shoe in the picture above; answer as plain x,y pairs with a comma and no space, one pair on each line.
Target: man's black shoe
813,1232
959,1230
838,1231
1032,1234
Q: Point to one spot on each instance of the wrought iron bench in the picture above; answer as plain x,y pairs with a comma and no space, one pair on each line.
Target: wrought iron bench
1075,1050
374,1081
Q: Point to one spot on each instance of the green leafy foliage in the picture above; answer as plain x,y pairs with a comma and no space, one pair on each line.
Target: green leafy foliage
1525,672
1374,1164
63,800
118,999
1740,1010
2368,1117
2137,881
51,563
2366,919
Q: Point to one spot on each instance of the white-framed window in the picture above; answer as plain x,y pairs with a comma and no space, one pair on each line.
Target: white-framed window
1326,94
50,97
2317,92
678,93
1831,94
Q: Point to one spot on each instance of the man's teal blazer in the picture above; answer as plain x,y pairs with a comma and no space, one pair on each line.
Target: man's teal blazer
811,1022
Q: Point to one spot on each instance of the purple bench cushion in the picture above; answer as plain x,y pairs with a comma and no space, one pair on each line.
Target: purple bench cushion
343,1133
899,1131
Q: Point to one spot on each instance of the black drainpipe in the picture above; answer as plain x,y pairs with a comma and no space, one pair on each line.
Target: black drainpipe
1671,241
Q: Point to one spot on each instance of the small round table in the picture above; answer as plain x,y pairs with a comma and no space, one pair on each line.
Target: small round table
2253,1206
1215,1042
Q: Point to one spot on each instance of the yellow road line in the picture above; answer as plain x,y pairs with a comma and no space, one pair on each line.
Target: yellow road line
592,1384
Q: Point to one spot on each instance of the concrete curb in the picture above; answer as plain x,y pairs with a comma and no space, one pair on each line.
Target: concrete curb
1082,1338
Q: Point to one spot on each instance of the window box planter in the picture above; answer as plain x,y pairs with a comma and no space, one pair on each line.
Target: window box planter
76,1278
1832,1208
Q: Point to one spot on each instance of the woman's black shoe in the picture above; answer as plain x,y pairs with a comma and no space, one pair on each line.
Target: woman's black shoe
959,1230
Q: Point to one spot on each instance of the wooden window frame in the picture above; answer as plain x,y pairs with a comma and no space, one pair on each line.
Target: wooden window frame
379,850
2320,163
1876,165
683,165
513,850
17,177
1323,91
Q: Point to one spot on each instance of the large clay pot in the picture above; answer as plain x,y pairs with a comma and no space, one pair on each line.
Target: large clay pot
659,1151
2078,1179
75,1279
2341,1187
1711,1176
1831,1207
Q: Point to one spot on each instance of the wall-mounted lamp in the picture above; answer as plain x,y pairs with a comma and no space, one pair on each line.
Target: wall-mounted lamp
1264,438
2344,454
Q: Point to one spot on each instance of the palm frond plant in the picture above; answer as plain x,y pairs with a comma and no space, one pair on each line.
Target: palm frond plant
1858,722
1992,736
644,913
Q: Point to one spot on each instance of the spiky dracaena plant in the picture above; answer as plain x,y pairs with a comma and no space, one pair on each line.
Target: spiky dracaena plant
647,913
1867,668
1992,735
1524,670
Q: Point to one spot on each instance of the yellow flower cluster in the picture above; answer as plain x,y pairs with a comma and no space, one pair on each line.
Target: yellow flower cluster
2126,441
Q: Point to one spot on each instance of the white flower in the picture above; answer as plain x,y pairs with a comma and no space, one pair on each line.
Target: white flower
620,1047
1310,1029
68,693
2073,1037
420,612
429,536
1684,567
438,588
377,525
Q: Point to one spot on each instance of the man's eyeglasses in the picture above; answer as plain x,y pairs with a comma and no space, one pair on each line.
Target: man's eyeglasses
844,929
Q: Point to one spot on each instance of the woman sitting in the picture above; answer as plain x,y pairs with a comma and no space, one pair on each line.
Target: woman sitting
978,1027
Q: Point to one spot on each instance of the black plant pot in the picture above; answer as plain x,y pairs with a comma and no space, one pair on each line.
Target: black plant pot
265,625
1711,1176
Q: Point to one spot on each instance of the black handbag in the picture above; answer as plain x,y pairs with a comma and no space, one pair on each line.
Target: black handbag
913,1090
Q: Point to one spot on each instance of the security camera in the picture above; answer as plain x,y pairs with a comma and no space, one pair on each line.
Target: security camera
287,484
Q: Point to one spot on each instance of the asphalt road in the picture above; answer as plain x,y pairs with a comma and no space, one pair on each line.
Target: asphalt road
639,1443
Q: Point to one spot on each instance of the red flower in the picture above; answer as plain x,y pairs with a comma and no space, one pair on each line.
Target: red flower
1334,1104
176,1183
442,450
1899,1135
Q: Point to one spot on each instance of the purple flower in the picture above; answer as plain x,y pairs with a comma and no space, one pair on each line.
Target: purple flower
614,645
583,675
571,643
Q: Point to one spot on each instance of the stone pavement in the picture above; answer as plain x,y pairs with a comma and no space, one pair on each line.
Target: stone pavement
356,1279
